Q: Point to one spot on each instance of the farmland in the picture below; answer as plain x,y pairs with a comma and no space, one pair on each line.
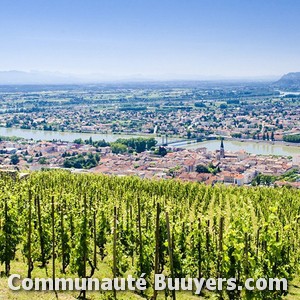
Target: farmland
89,225
180,109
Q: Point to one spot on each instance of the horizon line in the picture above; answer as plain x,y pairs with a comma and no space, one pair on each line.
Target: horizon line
61,78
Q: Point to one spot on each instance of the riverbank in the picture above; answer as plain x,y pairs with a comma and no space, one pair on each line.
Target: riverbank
31,134
259,147
250,146
37,134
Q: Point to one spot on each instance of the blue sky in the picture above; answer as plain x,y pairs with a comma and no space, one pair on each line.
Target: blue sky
152,38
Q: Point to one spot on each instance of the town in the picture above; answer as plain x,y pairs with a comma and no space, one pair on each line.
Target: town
236,110
154,130
151,161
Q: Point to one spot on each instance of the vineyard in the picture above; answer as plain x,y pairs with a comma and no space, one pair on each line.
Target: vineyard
77,224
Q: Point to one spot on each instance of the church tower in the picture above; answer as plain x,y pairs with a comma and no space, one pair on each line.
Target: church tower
222,151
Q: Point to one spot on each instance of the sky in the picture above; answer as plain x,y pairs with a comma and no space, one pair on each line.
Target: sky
151,38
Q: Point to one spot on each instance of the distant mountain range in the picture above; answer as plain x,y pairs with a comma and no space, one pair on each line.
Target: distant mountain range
290,81
35,77
48,78
15,77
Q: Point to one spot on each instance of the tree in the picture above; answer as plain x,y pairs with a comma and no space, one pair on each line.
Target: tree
78,141
137,144
162,151
68,164
118,148
268,180
151,142
101,143
236,135
43,161
292,138
272,136
202,169
140,145
14,159
82,162
189,134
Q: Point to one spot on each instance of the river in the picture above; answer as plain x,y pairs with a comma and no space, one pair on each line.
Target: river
249,146
65,136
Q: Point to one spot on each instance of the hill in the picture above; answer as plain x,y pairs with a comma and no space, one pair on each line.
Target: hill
290,81
55,223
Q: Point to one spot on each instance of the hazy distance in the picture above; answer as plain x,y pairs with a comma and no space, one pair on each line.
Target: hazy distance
90,41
